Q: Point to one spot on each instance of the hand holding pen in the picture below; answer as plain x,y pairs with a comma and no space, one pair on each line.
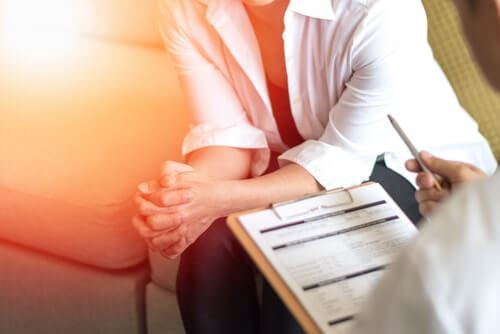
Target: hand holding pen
450,173
414,152
436,177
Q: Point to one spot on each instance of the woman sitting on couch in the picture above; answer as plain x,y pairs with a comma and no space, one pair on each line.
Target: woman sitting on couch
312,83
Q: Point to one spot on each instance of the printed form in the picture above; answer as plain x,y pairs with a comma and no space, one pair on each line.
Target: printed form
331,255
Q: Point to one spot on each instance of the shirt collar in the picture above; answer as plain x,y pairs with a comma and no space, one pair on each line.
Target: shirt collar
320,9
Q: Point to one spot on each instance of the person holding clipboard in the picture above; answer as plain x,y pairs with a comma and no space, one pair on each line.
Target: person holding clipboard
447,281
310,82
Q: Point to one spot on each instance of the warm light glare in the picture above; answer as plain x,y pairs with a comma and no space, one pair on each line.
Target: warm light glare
41,31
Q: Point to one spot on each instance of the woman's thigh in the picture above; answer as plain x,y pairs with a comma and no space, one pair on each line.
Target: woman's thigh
216,287
275,316
399,189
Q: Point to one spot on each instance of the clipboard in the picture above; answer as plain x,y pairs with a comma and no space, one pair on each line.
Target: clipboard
272,276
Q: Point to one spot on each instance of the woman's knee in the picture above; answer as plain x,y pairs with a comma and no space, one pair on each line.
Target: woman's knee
216,249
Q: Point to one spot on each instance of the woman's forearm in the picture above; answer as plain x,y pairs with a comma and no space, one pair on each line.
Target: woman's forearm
287,183
237,191
222,163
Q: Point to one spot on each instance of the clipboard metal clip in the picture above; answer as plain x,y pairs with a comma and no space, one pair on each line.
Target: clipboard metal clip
312,205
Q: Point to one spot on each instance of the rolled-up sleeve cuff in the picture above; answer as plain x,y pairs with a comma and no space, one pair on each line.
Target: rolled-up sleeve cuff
331,166
240,135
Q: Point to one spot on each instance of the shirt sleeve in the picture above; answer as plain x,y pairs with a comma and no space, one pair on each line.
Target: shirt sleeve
410,297
357,130
403,302
444,281
217,117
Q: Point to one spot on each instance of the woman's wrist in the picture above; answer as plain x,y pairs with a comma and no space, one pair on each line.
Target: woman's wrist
232,197
239,195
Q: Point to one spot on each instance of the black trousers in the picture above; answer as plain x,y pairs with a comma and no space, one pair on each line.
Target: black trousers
216,284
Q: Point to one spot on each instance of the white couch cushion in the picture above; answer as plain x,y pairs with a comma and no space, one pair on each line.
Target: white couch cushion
132,21
163,271
129,20
76,137
162,311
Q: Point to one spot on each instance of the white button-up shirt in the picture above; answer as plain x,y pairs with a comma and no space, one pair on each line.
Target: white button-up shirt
448,280
349,63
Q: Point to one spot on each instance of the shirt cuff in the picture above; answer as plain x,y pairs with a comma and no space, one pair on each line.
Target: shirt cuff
240,135
331,166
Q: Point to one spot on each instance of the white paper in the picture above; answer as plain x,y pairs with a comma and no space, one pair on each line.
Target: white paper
332,261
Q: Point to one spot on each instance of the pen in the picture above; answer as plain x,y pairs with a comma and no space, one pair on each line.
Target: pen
413,151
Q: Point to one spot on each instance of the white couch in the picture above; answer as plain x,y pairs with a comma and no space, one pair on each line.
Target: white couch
76,137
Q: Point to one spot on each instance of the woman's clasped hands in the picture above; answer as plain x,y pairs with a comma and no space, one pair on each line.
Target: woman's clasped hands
176,209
